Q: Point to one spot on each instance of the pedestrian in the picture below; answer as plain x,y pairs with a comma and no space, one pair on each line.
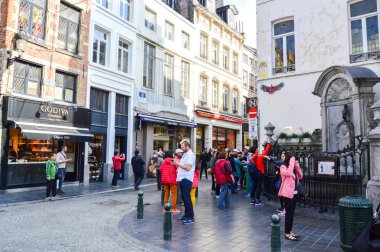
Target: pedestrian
117,161
291,174
169,180
204,158
210,170
237,173
244,160
51,181
194,187
258,160
177,158
138,168
185,177
223,177
160,159
61,161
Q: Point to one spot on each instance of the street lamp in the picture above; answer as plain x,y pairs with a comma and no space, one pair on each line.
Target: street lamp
269,131
20,42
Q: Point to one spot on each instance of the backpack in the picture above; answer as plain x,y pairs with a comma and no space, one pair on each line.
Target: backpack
253,170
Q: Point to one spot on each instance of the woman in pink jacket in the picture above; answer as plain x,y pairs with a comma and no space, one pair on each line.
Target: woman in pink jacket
291,174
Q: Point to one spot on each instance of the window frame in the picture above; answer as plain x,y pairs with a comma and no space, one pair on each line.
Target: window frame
215,94
101,3
245,78
251,82
226,61
168,74
122,4
235,62
106,41
123,49
203,91
117,98
216,55
26,79
226,97
68,22
104,98
204,45
147,22
185,81
185,39
167,33
64,88
235,101
147,57
285,67
29,31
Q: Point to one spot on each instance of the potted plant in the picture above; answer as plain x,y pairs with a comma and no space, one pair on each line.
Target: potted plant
294,138
282,138
306,137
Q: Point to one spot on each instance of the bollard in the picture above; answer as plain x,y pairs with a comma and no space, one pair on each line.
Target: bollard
140,205
275,236
168,222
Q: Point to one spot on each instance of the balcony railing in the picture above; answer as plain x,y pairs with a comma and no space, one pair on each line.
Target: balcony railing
284,69
360,57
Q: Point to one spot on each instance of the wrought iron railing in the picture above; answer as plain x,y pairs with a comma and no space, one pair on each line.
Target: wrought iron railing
284,69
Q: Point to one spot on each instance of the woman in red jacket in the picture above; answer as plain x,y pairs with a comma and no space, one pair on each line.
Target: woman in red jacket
117,160
223,176
168,179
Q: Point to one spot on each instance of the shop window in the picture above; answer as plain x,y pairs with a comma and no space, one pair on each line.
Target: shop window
95,158
99,48
364,22
32,17
160,130
122,59
185,76
284,47
168,74
68,30
149,61
65,87
27,79
125,9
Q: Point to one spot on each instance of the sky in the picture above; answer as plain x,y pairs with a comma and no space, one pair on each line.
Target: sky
247,14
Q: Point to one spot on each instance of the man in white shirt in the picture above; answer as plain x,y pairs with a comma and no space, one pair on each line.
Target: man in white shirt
185,177
61,163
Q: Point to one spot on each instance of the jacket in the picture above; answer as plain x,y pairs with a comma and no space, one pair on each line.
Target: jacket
288,179
168,172
260,159
239,167
203,159
222,171
51,169
117,162
196,178
159,162
137,164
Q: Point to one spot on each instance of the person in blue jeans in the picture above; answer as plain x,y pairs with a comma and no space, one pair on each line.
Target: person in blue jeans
61,163
223,177
185,177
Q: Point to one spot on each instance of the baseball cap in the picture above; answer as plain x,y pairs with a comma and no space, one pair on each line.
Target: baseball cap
227,150
246,147
178,151
235,150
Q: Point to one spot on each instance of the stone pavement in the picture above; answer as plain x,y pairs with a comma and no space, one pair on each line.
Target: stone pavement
71,190
240,228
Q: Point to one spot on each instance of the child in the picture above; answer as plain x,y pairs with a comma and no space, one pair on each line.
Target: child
51,181
194,186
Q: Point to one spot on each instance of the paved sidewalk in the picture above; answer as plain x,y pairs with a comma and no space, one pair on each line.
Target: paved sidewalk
240,228
38,194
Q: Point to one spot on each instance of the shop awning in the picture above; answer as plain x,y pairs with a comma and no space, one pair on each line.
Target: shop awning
154,119
54,132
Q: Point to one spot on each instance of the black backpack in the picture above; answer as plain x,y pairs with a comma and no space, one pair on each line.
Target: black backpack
253,170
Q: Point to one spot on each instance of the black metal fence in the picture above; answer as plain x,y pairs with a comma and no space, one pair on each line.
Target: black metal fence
324,191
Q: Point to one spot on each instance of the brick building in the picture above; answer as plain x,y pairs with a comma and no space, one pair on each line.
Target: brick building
43,83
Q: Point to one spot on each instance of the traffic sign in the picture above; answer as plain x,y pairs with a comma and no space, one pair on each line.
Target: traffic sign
252,113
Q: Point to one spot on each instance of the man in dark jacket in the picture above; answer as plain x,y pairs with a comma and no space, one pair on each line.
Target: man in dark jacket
138,168
204,160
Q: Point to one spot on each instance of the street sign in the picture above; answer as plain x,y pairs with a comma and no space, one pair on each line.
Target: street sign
252,132
252,113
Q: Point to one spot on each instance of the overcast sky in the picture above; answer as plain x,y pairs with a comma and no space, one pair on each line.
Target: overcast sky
247,14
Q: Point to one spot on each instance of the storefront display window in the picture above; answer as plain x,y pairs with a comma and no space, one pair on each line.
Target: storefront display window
223,138
231,141
95,158
160,130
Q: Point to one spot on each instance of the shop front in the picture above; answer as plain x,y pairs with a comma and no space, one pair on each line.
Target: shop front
32,130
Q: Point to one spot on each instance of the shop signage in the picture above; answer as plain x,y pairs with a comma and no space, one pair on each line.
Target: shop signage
142,97
54,113
220,117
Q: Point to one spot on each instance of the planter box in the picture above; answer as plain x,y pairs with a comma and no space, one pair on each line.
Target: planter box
294,140
306,140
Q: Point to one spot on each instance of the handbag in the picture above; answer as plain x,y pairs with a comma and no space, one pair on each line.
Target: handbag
369,240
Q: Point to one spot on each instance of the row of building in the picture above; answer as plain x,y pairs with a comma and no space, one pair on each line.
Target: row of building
99,76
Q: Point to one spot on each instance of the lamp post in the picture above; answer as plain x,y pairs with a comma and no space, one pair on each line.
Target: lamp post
269,131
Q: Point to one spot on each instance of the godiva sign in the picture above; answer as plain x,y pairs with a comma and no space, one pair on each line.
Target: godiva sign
54,113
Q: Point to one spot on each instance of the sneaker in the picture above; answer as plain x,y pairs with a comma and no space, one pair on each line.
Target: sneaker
47,198
182,218
259,203
248,195
253,202
188,221
176,211
53,198
217,196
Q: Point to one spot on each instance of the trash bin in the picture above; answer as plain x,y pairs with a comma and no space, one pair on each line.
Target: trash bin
355,212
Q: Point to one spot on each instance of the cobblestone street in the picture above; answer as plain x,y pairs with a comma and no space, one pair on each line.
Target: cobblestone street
107,222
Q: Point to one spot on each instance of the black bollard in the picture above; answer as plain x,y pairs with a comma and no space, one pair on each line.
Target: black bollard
140,205
275,236
168,222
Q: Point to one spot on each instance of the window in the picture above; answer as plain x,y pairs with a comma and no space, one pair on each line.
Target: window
185,40
122,63
235,63
251,61
235,101
168,73
27,79
65,87
364,21
99,100
150,20
125,9
32,17
284,47
149,62
215,52
169,31
171,3
185,75
226,59
251,82
68,31
226,93
103,3
245,78
203,2
244,109
245,58
121,104
99,48
214,91
203,46
203,91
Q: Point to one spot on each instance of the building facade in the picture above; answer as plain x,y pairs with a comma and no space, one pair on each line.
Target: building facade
300,40
111,84
43,55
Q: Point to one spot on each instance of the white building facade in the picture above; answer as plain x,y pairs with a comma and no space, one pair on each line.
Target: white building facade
111,80
297,42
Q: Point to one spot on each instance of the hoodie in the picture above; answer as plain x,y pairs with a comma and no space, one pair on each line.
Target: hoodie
168,172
